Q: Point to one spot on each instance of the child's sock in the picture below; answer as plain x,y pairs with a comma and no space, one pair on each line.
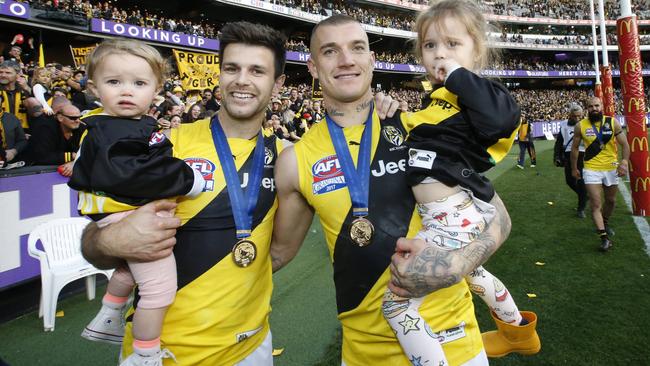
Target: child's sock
114,302
146,348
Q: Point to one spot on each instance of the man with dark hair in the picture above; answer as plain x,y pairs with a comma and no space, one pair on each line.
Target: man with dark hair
600,136
221,241
366,207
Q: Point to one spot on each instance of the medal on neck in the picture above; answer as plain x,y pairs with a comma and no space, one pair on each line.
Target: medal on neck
243,205
599,134
357,179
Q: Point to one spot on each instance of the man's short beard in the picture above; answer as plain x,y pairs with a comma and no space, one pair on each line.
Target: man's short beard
596,116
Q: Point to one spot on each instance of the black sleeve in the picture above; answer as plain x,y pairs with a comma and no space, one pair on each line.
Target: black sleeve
488,105
129,170
558,148
45,146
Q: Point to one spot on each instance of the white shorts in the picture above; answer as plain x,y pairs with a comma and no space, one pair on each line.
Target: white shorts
606,178
480,360
262,356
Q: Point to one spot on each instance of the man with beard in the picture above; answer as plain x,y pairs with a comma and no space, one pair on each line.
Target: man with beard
601,166
319,175
562,153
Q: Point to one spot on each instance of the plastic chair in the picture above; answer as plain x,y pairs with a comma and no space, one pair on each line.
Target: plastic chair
61,262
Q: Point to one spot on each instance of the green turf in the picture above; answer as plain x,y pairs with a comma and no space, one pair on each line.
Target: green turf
592,306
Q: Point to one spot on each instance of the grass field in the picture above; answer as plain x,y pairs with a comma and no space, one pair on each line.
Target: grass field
592,306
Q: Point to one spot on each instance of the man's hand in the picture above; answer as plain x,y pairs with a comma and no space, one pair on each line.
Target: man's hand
66,169
146,235
576,173
418,268
621,170
385,105
11,154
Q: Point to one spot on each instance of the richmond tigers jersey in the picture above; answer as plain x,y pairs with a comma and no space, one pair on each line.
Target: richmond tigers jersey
220,314
15,106
597,158
361,274
466,128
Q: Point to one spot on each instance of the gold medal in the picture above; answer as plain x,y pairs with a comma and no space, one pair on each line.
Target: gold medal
244,253
361,231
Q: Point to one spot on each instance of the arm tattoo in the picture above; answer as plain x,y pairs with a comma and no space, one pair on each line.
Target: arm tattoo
434,269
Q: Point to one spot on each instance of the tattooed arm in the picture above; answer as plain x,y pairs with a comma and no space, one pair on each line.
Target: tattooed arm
418,269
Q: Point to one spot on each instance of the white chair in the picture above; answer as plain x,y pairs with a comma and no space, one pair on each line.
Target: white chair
61,262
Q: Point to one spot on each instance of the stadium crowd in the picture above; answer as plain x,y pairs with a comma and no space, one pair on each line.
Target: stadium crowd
559,9
367,14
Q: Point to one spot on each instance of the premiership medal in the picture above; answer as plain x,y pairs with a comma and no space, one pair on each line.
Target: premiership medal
357,179
244,253
243,205
361,231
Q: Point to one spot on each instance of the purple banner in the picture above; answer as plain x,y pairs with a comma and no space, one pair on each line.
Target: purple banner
155,35
14,9
27,201
388,66
541,127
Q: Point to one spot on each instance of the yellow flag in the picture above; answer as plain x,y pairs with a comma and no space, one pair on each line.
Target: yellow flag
41,56
197,71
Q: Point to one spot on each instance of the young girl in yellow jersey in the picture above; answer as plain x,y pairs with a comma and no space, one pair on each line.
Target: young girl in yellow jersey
126,161
467,126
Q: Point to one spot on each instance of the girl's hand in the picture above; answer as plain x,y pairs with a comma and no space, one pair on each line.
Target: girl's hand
443,68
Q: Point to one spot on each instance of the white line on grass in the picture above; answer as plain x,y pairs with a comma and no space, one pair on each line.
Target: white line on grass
639,221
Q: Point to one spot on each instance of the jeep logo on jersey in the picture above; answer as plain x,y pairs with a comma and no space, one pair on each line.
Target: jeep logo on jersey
328,175
206,168
156,138
393,135
268,156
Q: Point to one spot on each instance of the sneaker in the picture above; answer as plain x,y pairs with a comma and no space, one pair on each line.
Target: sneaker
154,359
108,326
581,214
520,166
609,231
605,244
533,165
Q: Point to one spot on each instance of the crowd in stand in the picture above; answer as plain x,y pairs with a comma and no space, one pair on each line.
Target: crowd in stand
371,15
560,9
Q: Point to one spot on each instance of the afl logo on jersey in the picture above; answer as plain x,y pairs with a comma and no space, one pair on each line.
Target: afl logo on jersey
328,175
206,168
156,138
268,157
393,135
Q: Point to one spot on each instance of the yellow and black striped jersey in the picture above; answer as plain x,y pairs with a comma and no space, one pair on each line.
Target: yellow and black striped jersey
466,128
220,314
361,273
596,157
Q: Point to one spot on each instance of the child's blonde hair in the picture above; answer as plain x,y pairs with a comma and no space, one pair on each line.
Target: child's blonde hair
123,46
469,14
38,73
